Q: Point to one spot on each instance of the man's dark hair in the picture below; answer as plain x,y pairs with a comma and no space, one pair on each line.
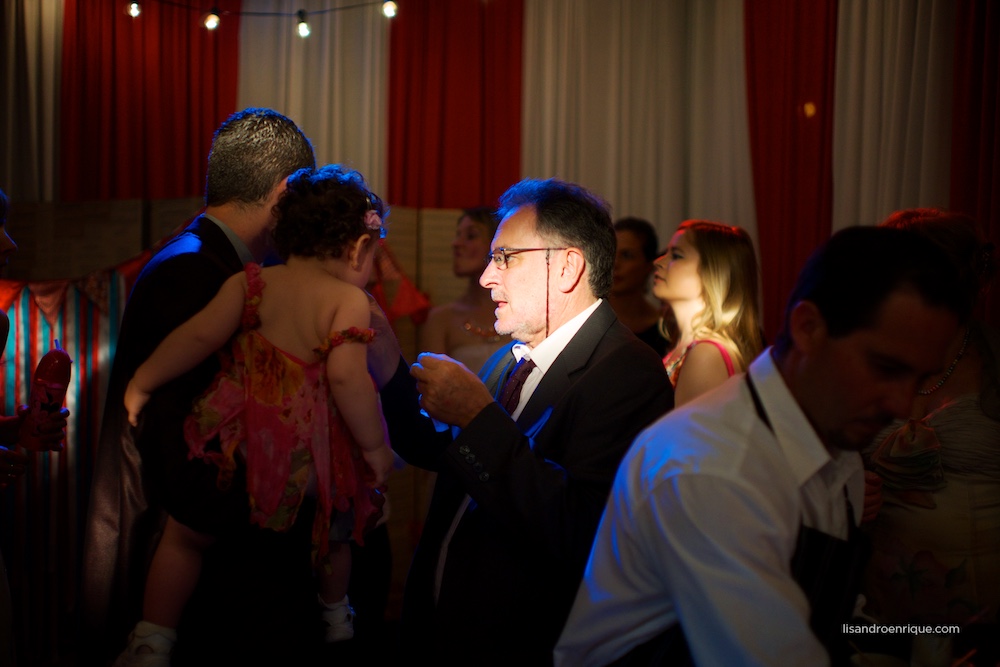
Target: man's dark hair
569,215
646,233
851,275
252,151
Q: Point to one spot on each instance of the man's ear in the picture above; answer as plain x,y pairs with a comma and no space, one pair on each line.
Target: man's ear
806,326
272,201
356,251
571,270
277,191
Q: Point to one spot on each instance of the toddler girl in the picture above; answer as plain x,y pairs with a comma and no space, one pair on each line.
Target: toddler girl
293,402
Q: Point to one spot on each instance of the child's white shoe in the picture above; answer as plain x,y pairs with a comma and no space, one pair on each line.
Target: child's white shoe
149,645
339,619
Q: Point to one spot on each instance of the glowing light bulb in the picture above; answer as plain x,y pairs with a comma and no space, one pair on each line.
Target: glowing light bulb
389,9
212,19
303,24
133,9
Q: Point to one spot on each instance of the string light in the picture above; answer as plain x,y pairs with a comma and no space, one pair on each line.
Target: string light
212,19
303,24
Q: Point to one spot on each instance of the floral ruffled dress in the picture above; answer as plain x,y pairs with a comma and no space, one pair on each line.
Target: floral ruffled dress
276,413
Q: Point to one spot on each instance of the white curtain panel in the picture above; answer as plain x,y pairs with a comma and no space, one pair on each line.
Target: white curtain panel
642,102
892,115
333,84
31,48
720,171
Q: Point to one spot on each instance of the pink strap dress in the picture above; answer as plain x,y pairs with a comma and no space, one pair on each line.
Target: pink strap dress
674,366
276,412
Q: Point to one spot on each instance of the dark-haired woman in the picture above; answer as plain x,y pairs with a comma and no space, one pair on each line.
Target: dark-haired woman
629,297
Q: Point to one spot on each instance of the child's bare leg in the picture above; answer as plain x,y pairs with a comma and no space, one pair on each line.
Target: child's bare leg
334,576
335,573
172,577
174,573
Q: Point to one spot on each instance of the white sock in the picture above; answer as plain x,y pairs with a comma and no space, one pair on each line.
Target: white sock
146,629
334,605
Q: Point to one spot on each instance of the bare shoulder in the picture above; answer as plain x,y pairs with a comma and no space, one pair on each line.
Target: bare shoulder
704,354
706,359
351,297
707,348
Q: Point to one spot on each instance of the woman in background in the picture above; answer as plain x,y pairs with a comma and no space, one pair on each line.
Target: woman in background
463,329
708,277
629,296
936,557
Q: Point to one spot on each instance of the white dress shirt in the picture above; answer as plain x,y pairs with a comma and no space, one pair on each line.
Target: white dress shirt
701,526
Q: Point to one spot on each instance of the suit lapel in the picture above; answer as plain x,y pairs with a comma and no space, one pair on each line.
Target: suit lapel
497,369
558,379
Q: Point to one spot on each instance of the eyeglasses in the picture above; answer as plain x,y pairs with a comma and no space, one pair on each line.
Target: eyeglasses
500,256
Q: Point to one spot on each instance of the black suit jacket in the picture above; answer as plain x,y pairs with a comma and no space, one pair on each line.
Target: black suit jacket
125,512
252,574
538,487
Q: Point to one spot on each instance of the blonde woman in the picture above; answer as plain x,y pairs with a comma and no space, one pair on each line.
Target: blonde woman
708,277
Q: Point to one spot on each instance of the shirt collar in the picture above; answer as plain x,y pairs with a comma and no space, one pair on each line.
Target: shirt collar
796,437
544,354
246,257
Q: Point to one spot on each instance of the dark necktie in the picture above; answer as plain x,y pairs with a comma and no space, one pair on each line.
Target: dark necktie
510,396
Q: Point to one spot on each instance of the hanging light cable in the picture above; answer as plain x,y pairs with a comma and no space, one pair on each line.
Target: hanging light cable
303,23
212,19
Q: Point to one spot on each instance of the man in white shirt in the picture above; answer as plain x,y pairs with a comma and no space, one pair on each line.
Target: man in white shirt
701,551
520,488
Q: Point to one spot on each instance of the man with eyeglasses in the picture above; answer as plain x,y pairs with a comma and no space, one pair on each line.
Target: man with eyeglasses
521,488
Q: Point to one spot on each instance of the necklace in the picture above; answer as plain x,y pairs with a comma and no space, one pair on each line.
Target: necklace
490,334
951,369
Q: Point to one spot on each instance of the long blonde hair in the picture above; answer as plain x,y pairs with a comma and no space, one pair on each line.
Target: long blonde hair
727,267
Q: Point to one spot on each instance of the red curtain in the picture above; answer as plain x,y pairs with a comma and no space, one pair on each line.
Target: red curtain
790,56
140,98
457,64
975,143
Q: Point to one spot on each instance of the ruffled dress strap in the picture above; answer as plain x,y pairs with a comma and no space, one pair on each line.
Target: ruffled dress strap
352,335
255,287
